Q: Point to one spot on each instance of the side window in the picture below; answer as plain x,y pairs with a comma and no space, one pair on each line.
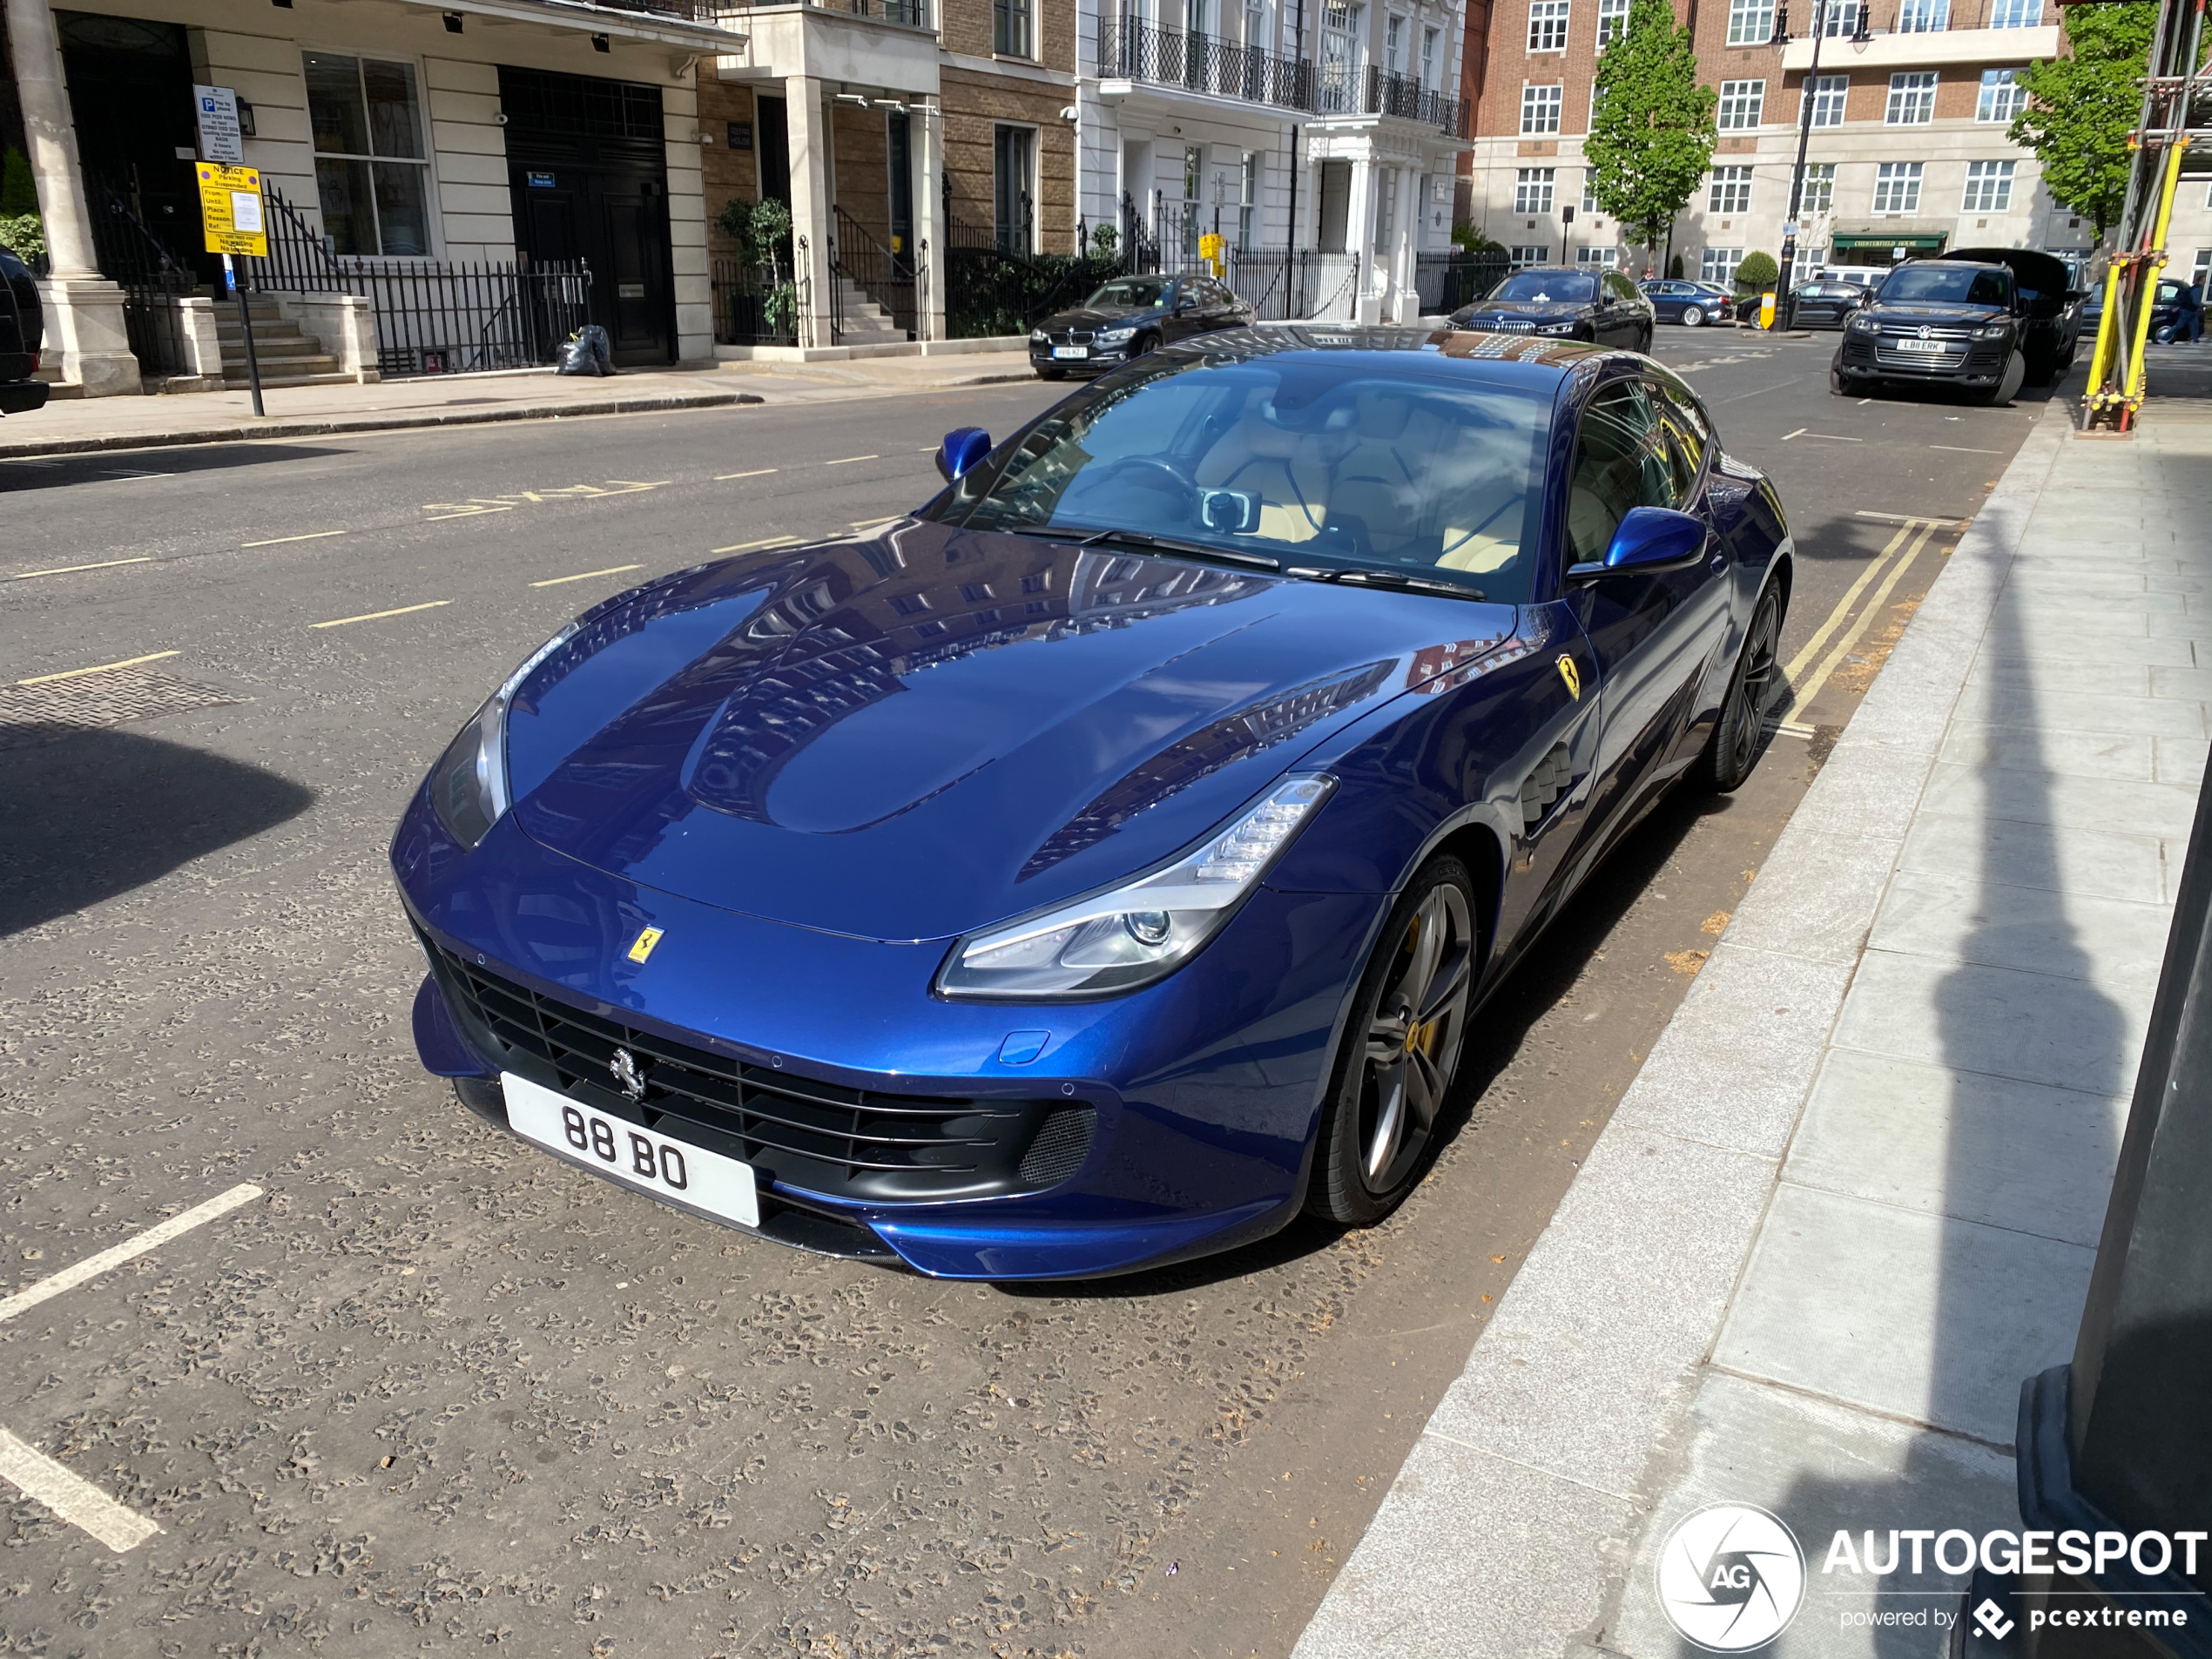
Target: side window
1684,435
1620,461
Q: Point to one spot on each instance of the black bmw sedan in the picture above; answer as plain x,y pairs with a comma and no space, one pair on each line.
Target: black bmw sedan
1826,302
22,326
1598,306
1945,322
1129,317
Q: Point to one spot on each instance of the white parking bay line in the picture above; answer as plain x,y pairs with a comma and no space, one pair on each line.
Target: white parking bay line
70,1496
153,1238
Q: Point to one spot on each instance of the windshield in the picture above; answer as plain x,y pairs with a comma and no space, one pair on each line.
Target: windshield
1332,459
1136,291
1948,284
1560,287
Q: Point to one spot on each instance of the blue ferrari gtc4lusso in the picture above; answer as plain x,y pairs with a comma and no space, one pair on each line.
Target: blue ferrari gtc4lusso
1103,864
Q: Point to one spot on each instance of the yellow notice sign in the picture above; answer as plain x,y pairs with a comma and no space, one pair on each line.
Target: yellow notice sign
1209,251
230,207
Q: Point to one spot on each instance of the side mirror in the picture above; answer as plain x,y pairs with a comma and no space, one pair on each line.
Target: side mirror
2077,293
1651,539
963,447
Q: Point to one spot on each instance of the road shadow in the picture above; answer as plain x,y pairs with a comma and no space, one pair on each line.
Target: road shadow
106,467
98,813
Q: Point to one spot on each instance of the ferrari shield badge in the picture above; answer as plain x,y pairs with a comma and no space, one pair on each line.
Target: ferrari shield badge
643,948
1566,671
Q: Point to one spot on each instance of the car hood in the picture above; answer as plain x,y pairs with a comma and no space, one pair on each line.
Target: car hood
1096,316
1913,314
914,734
1529,310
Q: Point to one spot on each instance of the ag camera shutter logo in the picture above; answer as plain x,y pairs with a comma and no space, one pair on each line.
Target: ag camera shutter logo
1730,1577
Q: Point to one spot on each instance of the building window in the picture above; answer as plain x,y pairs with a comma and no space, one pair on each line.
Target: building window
1808,261
1394,45
1430,39
1820,195
2202,275
1897,188
1911,98
371,173
1540,109
1548,25
1193,189
1522,258
1923,16
1013,161
1612,19
1608,259
1011,28
1841,20
1589,193
1989,187
1532,191
2002,95
1247,199
1751,22
1741,104
1731,192
2016,14
1339,57
1827,92
1718,264
1255,23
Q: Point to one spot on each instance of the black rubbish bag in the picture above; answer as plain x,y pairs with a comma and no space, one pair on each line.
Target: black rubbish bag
585,353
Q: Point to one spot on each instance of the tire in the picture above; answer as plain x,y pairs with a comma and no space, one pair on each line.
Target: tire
1693,317
1394,1072
2008,384
1733,749
1052,374
483,1096
1143,345
1649,330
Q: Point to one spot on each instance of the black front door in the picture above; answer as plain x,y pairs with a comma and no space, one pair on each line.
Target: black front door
773,117
587,170
130,95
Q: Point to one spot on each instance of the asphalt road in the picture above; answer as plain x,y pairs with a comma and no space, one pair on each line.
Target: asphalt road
428,1389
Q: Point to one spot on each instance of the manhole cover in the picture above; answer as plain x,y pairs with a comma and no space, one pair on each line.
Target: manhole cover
32,714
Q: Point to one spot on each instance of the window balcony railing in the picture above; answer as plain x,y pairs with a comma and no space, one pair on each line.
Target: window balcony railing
1129,50
910,14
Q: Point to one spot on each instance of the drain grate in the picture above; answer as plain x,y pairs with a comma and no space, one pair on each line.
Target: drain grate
35,714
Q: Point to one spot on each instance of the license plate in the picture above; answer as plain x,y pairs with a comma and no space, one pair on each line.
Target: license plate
1924,345
706,1181
1071,351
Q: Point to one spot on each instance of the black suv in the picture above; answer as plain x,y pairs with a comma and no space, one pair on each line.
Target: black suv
1945,321
1129,317
22,329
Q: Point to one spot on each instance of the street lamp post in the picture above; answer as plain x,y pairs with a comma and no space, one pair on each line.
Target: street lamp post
1785,311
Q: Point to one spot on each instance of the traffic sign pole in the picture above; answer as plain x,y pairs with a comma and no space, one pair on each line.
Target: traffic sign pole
253,358
230,210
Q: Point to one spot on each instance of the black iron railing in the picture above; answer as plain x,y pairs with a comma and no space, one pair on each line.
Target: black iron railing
1446,281
1129,50
754,305
300,259
863,262
914,13
445,317
155,282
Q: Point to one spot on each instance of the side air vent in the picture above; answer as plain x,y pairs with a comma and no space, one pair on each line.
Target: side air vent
1543,785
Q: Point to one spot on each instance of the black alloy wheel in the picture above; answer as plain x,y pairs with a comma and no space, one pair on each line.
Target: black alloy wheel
1733,749
1143,344
1401,1051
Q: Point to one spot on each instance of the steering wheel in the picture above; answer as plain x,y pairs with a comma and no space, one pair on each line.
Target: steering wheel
1152,472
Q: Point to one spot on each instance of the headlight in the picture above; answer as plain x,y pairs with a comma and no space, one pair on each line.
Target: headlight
468,784
1141,931
1862,324
1114,336
1556,328
1994,331
1038,337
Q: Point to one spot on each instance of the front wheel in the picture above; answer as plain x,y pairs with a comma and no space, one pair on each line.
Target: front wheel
2009,384
1733,749
1052,374
1692,317
1401,1050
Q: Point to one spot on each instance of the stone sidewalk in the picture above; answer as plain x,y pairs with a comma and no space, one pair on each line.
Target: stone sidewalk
1852,1199
79,425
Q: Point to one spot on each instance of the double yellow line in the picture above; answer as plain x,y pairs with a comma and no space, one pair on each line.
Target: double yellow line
1891,568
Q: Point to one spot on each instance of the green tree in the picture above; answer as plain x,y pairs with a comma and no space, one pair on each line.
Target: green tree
2083,106
1756,274
18,195
1466,237
1652,133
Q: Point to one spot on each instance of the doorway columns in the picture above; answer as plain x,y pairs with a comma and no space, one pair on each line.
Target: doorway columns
807,123
929,163
83,310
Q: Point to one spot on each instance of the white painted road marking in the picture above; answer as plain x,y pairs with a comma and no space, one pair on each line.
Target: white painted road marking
1786,437
379,616
278,541
153,1238
70,1496
612,569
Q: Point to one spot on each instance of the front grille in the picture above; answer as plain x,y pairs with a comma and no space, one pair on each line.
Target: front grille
819,1136
1924,361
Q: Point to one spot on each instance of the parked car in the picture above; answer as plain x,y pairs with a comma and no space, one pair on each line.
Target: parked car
2050,306
1129,316
1597,305
1691,304
1943,321
1104,864
2176,312
23,327
1825,303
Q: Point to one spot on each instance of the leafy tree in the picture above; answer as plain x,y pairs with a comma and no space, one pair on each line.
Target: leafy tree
2083,106
17,194
1652,133
1757,273
761,230
1471,241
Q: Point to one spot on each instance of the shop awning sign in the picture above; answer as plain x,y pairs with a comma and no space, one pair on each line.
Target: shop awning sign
230,207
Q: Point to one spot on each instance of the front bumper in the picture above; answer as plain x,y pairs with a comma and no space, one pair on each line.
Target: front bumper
1098,358
1970,362
1199,1094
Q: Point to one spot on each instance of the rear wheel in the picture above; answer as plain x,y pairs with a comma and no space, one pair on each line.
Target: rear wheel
1693,317
1401,1050
1733,749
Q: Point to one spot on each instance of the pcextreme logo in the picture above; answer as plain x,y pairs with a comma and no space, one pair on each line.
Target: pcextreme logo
1730,1577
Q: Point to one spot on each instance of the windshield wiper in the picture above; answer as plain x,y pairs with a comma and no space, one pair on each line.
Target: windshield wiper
1145,542
1385,579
